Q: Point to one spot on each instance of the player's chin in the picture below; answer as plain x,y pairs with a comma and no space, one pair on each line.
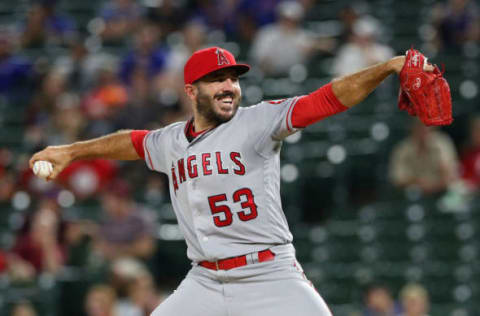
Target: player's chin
225,114
224,117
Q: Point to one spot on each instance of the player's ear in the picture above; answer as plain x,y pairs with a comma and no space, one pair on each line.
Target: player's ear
191,91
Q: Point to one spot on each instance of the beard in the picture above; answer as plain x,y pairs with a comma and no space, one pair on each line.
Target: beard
206,108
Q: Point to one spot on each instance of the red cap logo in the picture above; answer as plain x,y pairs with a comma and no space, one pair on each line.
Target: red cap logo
222,60
208,60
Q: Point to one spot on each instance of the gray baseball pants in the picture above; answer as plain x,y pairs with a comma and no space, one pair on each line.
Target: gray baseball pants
272,288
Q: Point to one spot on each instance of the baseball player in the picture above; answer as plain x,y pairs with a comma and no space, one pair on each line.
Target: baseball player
224,176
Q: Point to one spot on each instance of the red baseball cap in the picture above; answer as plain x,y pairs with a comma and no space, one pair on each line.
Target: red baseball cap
208,60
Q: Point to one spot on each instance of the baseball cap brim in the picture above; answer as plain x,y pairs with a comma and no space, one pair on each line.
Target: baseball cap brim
239,68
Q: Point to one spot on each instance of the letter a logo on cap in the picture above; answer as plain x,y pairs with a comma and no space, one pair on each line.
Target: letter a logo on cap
222,60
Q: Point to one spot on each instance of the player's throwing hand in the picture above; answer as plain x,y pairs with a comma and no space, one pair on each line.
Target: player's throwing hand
58,156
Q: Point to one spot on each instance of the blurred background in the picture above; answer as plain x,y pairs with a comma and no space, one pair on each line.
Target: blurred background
383,210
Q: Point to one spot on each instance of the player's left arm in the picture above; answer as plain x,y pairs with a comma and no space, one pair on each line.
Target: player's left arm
354,88
344,92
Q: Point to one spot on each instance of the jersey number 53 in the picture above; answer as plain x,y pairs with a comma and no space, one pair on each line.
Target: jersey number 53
222,214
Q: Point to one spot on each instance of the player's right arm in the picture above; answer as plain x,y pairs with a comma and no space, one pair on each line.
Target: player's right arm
118,146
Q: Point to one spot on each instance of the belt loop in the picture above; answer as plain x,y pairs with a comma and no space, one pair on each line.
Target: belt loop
216,265
255,257
249,258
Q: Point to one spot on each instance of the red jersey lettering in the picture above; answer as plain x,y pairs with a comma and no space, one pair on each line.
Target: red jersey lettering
174,179
235,158
192,169
206,164
181,171
221,170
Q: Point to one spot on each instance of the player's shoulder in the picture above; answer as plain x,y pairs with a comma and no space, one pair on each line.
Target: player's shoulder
176,125
268,103
264,110
249,110
170,128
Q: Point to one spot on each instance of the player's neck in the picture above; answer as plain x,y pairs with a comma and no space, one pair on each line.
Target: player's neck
201,124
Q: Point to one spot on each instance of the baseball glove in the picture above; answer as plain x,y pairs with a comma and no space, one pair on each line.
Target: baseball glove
423,93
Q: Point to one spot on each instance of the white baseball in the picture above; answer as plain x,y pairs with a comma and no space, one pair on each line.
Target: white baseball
42,168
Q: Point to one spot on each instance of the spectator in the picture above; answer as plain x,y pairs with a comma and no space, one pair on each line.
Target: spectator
44,101
107,96
260,12
68,120
158,101
3,261
105,100
7,186
414,300
456,22
144,109
155,192
38,247
63,122
347,16
124,273
16,73
79,234
80,65
169,88
470,158
126,230
219,15
362,49
147,57
44,26
427,159
144,294
42,108
100,301
169,15
121,18
194,37
379,302
23,309
279,46
238,19
87,178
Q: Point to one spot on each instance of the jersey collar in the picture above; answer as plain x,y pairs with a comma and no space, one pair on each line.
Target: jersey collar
190,131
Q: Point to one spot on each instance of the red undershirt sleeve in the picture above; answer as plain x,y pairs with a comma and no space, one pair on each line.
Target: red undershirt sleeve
316,106
137,137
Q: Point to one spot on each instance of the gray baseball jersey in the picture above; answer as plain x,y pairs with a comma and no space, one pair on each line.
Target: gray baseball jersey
225,184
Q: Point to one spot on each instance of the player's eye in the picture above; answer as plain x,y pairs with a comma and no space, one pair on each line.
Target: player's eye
215,79
223,78
233,78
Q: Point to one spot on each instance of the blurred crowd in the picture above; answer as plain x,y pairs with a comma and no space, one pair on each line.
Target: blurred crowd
413,300
66,80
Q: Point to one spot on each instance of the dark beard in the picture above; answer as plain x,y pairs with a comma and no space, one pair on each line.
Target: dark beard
205,108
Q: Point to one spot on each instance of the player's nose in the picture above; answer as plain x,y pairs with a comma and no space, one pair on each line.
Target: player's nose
227,84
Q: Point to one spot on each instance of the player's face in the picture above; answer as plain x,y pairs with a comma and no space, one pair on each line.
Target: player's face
218,96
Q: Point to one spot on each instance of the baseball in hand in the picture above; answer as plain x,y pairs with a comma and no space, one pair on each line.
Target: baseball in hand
42,168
